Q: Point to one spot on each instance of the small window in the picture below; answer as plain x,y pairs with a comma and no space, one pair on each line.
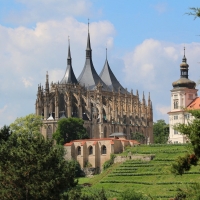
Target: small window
79,150
175,132
175,142
103,149
187,116
175,117
176,104
90,150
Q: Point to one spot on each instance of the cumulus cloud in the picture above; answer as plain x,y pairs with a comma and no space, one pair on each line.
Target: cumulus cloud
27,53
27,82
153,65
43,10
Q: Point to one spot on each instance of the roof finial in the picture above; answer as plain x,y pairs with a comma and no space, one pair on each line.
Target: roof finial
184,51
106,53
88,24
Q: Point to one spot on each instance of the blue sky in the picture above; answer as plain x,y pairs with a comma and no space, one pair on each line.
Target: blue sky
145,41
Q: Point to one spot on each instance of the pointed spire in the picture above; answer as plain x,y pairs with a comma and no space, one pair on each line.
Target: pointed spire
69,52
137,93
47,82
109,78
88,49
184,60
149,100
69,76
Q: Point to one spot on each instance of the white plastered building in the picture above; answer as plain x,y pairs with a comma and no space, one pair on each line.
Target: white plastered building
182,95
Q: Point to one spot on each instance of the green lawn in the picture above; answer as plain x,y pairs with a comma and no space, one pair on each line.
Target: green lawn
151,178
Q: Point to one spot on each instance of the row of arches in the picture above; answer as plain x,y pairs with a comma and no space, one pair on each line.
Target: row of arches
90,150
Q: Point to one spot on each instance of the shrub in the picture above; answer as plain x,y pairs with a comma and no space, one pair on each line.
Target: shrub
108,163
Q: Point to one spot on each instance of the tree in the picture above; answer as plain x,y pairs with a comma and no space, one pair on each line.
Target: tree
34,168
30,123
70,129
195,12
5,133
192,132
160,131
138,136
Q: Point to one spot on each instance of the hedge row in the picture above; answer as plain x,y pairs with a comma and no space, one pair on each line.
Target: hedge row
123,181
134,174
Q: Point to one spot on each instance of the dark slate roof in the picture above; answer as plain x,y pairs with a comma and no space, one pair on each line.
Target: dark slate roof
69,76
110,80
89,77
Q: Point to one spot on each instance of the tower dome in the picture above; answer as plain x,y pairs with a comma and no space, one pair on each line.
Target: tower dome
184,81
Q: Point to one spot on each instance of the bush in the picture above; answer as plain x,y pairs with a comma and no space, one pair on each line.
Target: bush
132,195
108,163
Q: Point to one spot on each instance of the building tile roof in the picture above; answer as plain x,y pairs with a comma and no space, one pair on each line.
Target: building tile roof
89,77
69,76
110,80
195,104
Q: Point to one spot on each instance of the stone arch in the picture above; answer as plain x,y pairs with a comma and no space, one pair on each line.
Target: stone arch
105,132
49,132
61,105
78,150
124,130
74,107
103,150
90,150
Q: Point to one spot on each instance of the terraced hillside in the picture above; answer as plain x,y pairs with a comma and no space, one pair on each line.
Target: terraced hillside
153,177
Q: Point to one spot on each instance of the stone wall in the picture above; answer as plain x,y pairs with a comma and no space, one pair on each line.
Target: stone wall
133,157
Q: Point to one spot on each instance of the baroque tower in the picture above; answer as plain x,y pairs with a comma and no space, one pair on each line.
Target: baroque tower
182,94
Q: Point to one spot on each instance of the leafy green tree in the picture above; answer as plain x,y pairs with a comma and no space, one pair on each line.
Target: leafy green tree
30,123
70,129
160,132
34,168
195,12
138,136
5,133
192,132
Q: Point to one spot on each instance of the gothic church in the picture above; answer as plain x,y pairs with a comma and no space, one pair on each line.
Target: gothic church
100,100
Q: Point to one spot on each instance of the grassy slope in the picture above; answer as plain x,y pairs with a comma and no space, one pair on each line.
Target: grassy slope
152,177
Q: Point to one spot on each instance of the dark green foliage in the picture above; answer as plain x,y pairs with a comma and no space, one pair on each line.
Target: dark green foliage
33,168
160,131
195,12
189,192
192,131
132,195
138,136
76,194
5,133
70,129
108,163
78,171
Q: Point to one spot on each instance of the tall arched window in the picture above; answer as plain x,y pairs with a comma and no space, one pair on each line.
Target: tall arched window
49,132
103,150
78,150
88,131
124,130
105,132
90,150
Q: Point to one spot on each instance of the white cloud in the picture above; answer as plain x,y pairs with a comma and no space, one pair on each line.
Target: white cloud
154,65
27,82
43,10
2,110
26,54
